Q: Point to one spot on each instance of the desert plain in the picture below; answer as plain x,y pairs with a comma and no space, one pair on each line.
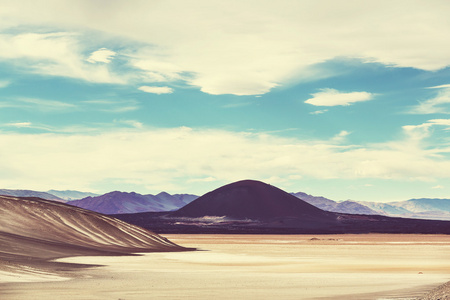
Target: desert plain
360,266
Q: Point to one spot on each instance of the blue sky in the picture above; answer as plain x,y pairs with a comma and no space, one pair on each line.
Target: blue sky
344,99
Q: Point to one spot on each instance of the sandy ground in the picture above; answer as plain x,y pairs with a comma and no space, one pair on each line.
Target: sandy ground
256,267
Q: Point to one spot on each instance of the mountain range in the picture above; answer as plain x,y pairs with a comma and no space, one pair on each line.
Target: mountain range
424,208
349,207
30,193
122,202
69,195
251,206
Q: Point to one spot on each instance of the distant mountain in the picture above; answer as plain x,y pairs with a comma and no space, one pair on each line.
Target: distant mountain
71,195
174,202
349,207
30,193
424,208
386,208
123,203
424,205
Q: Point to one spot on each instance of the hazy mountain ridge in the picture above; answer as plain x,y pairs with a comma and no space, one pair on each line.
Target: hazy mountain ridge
423,208
30,193
349,207
122,202
70,195
426,208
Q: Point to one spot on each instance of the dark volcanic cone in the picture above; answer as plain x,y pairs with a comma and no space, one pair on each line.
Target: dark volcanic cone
249,199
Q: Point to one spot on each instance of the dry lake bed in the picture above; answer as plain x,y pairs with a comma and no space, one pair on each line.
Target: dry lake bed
365,266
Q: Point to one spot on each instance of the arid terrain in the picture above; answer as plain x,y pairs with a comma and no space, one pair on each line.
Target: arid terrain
373,266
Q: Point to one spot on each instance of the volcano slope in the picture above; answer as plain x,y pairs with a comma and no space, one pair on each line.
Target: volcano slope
251,206
34,231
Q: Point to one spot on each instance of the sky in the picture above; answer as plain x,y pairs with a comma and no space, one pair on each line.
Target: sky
341,99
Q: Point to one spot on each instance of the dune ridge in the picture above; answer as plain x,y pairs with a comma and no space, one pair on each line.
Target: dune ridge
35,231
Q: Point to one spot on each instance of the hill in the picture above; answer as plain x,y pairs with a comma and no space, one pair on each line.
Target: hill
250,199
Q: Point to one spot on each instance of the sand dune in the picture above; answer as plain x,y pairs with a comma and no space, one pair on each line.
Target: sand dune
34,231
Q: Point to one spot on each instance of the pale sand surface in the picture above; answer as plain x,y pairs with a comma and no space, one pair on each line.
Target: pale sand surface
371,266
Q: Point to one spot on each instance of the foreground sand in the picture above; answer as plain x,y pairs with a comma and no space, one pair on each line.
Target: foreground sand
259,267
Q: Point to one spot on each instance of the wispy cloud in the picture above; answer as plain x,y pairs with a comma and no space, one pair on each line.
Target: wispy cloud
421,131
438,187
439,104
318,112
56,54
19,124
156,89
102,55
37,104
439,86
47,105
111,106
332,97
131,123
4,83
203,179
341,136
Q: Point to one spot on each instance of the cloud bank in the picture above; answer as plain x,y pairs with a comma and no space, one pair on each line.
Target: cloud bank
165,158
242,48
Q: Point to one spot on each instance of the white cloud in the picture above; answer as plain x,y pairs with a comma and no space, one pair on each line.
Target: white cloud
156,89
102,55
162,158
131,123
204,179
318,112
38,104
438,104
419,132
437,187
111,106
19,124
332,97
245,47
340,137
440,86
47,105
4,83
55,54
